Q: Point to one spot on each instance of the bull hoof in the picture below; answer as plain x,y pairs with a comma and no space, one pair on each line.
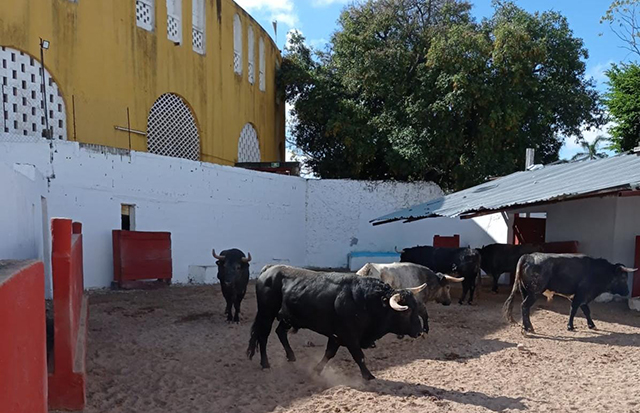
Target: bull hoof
265,366
460,302
291,358
571,328
471,303
527,330
400,336
592,327
368,376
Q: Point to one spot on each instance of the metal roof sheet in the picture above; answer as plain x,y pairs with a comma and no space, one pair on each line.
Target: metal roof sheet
546,184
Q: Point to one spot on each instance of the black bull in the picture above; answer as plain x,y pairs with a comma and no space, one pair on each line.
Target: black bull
462,261
500,258
233,273
576,277
351,311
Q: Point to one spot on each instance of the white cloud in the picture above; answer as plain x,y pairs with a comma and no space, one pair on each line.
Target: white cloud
570,147
597,72
324,3
281,10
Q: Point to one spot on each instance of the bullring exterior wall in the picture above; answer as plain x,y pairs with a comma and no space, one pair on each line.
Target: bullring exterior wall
103,64
279,219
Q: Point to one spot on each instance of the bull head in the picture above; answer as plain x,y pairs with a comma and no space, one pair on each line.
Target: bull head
216,256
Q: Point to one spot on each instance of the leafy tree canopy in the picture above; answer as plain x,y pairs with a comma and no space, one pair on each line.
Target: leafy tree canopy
417,89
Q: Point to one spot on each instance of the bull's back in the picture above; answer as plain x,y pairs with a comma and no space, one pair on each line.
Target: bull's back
560,273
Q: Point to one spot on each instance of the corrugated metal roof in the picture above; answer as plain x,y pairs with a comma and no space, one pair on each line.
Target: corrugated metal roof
547,184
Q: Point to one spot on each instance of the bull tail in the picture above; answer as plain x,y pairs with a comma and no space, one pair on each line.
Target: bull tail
507,308
253,340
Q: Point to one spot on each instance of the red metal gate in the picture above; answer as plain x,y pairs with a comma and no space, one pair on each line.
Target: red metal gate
529,230
446,242
636,275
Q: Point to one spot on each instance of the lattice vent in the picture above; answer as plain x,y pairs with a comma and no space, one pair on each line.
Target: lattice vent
237,45
248,145
198,41
251,76
172,130
145,14
23,106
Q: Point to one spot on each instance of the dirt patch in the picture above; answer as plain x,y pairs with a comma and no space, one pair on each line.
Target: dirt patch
184,357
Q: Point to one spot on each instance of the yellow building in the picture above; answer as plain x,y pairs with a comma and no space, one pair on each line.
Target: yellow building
186,78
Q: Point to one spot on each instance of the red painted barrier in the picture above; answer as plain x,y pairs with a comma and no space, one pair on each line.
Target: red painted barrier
67,382
23,352
141,256
446,242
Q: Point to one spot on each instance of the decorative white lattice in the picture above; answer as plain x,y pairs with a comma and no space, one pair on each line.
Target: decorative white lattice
145,14
251,52
172,130
237,45
23,98
174,26
262,78
197,32
248,145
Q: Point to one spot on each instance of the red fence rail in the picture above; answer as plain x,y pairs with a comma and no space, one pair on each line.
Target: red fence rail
23,353
67,381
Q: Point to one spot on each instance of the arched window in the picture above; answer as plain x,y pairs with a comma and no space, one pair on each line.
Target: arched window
248,145
251,56
237,45
27,108
172,130
174,21
145,14
263,80
198,30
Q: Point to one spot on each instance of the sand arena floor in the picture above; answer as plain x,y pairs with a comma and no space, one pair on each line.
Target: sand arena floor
171,350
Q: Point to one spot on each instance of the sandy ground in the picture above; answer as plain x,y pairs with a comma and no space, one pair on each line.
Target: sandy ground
172,351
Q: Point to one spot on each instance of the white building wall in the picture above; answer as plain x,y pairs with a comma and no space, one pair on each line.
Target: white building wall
22,221
276,218
339,211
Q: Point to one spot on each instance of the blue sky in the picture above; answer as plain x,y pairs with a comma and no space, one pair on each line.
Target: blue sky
316,19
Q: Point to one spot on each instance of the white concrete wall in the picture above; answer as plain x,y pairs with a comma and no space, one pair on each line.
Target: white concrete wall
339,211
204,206
276,218
22,223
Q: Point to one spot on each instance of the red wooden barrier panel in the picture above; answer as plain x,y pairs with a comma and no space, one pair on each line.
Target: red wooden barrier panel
23,352
447,242
67,382
141,256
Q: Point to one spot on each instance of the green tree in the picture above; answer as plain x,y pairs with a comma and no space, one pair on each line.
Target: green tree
591,150
417,89
623,101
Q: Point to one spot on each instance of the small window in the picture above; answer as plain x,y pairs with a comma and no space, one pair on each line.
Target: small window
127,217
237,45
145,14
251,50
174,21
198,31
263,80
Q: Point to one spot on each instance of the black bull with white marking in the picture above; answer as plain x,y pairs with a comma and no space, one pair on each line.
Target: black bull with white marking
577,277
401,275
351,311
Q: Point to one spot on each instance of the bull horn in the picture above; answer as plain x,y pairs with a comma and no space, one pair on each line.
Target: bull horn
393,302
626,269
247,260
399,252
216,256
453,279
417,290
